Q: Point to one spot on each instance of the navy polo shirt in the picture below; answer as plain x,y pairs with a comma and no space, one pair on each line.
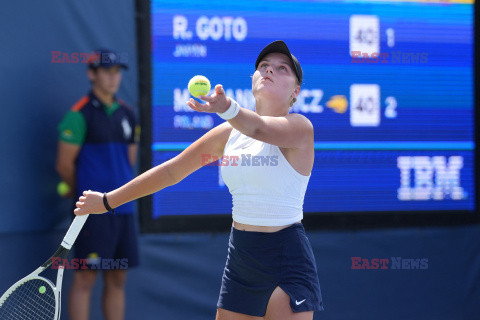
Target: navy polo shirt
104,134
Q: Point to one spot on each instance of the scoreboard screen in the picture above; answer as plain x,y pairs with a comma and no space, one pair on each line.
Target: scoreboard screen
388,87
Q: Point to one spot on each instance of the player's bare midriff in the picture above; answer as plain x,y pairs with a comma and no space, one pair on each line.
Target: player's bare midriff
249,227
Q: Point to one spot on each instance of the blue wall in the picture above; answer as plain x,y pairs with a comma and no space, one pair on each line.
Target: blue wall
179,277
36,93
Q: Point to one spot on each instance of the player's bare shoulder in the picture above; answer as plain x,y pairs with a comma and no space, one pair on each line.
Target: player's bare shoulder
301,120
302,124
222,131
217,137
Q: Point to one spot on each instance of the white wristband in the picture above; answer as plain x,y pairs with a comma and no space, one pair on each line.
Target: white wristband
231,112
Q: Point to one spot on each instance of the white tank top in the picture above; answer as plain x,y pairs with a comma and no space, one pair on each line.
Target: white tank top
266,190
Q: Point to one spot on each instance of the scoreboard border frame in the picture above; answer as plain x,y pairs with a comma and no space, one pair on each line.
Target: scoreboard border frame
312,221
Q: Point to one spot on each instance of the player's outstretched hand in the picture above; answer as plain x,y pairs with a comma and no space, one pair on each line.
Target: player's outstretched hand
217,102
90,202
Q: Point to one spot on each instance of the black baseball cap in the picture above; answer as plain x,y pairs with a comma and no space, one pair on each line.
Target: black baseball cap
105,58
281,47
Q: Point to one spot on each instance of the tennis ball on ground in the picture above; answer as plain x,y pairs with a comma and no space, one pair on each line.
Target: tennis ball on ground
199,86
63,188
42,289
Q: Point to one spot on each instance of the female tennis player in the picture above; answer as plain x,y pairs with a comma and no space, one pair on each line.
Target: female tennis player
270,271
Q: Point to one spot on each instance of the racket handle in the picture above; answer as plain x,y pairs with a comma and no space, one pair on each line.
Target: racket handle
73,231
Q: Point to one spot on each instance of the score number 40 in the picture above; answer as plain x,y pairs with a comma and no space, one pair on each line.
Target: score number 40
366,105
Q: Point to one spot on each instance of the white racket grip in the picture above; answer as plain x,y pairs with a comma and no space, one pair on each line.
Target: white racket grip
73,231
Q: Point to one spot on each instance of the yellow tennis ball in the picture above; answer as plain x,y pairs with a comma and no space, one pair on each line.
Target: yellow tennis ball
63,188
42,289
199,86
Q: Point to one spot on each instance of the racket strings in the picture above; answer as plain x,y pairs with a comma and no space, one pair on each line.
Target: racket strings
31,300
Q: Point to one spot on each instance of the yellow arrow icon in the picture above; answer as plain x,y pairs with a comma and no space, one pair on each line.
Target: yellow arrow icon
338,103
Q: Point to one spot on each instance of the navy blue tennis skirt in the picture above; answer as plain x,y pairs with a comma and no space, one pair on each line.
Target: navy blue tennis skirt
258,262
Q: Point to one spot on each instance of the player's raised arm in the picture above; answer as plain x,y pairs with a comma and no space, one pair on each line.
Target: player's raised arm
275,80
161,176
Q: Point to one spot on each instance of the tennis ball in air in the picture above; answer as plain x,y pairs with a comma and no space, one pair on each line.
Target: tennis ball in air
199,86
63,188
42,289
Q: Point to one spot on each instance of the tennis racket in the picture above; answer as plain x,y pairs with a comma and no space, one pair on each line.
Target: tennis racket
35,297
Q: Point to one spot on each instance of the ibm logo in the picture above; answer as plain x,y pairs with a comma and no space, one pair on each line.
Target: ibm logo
425,178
